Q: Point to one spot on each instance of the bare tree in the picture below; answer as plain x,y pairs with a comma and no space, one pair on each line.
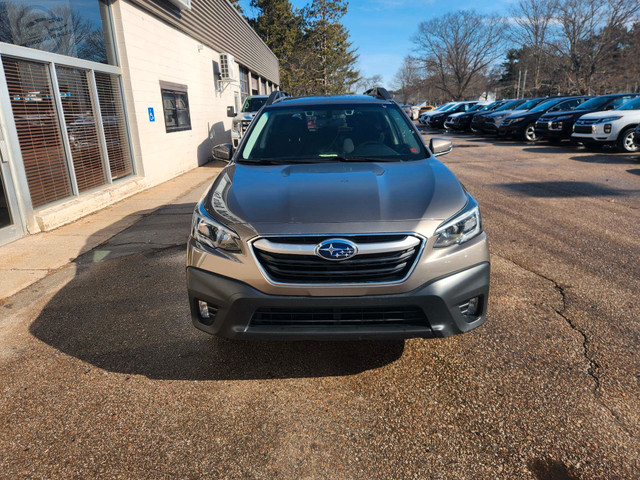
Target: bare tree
533,20
589,32
365,83
459,47
408,80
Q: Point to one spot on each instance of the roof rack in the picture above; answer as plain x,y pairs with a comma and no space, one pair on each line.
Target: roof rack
276,97
379,92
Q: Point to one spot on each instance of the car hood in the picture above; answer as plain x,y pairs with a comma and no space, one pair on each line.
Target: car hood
324,193
611,113
561,113
459,114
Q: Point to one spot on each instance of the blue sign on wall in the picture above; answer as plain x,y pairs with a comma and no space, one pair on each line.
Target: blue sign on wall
152,117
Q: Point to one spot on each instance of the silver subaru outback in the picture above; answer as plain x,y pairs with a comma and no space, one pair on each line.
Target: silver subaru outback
333,220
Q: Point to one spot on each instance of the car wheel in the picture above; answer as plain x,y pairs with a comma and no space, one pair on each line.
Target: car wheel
625,141
530,133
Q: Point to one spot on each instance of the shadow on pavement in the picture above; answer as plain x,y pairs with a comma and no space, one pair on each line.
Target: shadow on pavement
126,311
634,171
612,158
563,189
550,470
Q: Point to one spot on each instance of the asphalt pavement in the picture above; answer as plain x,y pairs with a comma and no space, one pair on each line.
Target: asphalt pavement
103,375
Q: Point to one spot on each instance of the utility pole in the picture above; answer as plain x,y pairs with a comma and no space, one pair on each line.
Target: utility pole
518,89
524,83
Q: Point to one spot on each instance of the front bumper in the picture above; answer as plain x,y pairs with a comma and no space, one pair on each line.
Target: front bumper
513,130
439,299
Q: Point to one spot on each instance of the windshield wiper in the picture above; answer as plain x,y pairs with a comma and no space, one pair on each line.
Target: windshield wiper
340,158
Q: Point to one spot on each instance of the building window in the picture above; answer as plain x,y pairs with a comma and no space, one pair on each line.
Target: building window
68,27
176,110
244,83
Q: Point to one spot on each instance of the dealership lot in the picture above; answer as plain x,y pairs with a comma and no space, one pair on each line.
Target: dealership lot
102,373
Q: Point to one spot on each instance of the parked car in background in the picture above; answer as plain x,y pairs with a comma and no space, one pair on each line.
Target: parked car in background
493,120
436,121
523,125
461,121
557,126
243,119
614,127
426,108
277,263
408,109
423,118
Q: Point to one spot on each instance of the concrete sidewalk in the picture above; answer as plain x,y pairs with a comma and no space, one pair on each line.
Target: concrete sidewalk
29,259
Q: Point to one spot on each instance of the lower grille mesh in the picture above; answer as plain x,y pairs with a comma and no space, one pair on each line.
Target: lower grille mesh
348,316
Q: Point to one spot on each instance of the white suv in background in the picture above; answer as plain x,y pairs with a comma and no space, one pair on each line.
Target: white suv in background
613,127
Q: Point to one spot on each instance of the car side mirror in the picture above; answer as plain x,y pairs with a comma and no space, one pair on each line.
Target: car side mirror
223,152
231,111
440,146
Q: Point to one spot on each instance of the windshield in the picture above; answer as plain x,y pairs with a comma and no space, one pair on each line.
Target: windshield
508,105
477,107
529,104
332,132
544,106
443,107
632,105
253,104
593,104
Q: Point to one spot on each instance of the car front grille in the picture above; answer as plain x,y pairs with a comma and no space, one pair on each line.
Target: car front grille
343,316
391,259
583,129
244,126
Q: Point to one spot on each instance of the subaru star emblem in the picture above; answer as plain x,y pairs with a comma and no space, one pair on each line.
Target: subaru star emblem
336,249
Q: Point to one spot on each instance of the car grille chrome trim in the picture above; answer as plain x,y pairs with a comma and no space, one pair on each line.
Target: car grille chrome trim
291,260
267,245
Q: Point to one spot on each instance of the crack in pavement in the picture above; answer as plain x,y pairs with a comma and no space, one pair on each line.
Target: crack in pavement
593,365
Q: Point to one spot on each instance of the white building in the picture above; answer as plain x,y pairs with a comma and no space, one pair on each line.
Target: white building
100,99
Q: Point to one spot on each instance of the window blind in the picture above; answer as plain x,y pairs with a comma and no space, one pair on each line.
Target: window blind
114,124
38,131
81,127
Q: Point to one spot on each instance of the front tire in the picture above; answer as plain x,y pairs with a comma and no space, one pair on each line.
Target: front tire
625,141
530,133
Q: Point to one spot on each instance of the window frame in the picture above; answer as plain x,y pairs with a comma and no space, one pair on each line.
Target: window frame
175,93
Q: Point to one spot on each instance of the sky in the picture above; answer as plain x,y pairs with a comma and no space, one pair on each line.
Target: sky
381,30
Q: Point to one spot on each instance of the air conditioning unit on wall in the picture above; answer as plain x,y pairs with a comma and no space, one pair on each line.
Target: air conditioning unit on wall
228,69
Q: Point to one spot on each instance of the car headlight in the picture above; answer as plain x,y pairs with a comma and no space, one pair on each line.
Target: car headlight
608,119
464,226
208,232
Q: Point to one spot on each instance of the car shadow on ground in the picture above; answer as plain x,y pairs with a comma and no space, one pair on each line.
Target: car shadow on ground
563,189
611,158
634,171
126,311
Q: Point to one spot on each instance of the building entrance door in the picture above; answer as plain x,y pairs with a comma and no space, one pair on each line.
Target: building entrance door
10,225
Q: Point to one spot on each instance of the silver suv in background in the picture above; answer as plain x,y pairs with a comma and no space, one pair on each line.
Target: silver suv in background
334,220
242,120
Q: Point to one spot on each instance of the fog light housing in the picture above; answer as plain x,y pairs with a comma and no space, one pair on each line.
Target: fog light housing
607,128
471,308
207,312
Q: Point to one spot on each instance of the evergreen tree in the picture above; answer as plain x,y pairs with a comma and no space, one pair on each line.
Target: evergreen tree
280,27
236,3
311,44
332,60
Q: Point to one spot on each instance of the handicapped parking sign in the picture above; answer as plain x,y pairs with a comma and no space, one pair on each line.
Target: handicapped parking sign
152,117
